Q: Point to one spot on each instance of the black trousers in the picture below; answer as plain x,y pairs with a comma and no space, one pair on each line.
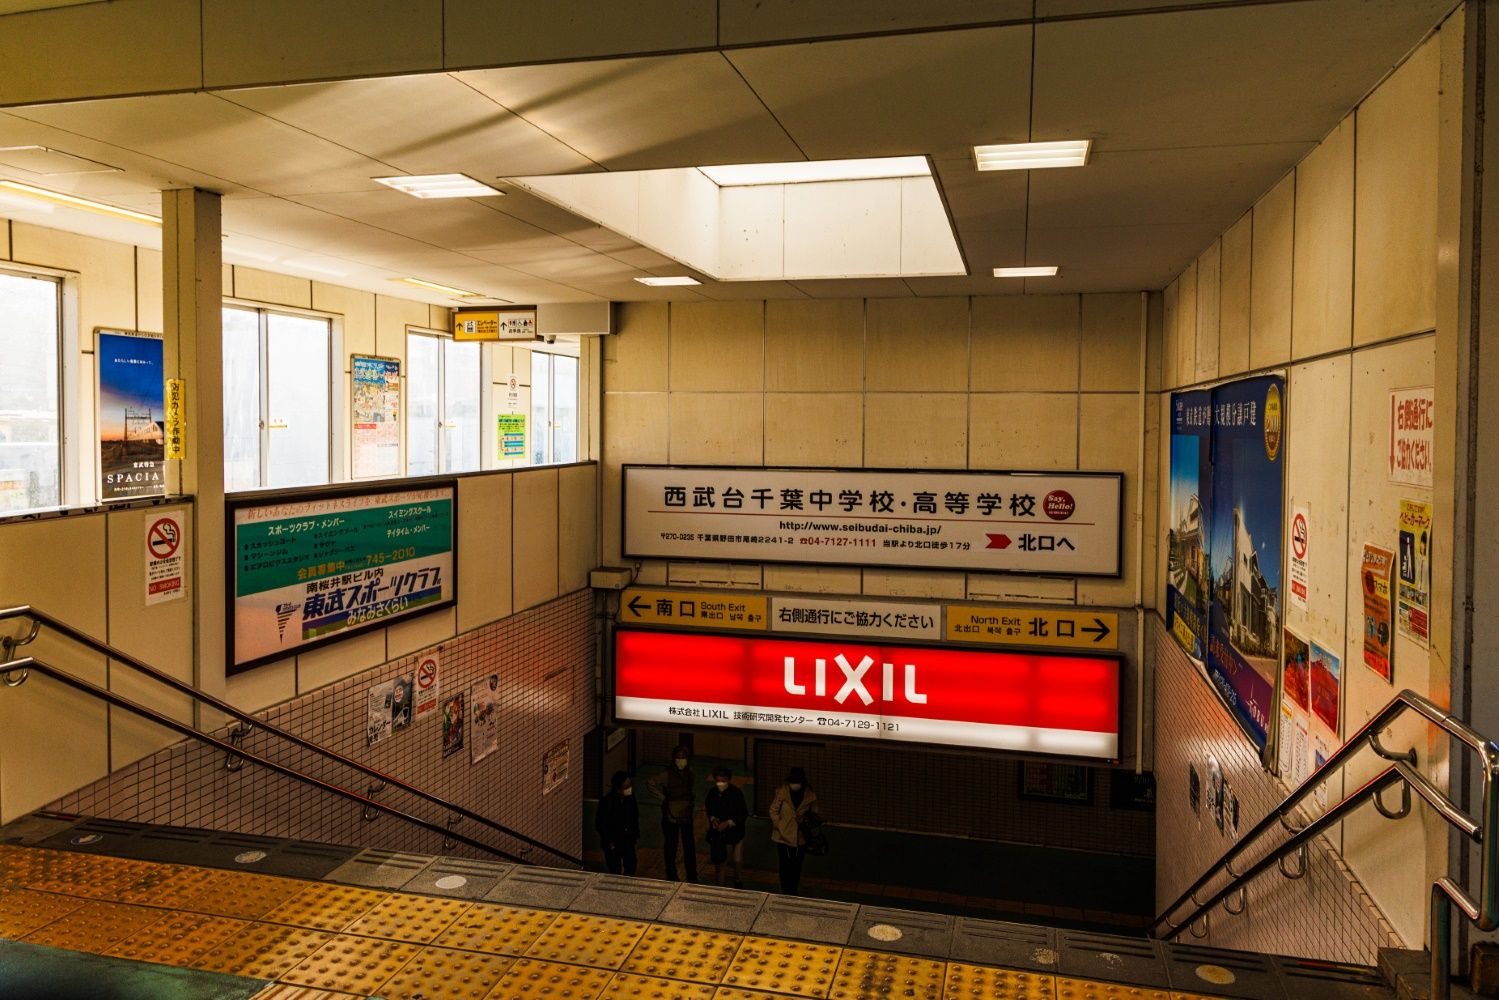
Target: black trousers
670,834
620,858
791,859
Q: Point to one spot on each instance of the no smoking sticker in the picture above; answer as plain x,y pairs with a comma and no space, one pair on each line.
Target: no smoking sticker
1300,547
164,562
428,667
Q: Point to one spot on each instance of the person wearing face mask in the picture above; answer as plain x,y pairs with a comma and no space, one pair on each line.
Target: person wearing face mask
727,814
618,824
793,803
678,792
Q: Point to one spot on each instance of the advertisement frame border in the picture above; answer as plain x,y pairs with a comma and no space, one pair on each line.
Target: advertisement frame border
98,446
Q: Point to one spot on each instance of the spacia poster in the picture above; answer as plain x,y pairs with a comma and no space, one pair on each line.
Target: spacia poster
132,407
1187,533
1244,549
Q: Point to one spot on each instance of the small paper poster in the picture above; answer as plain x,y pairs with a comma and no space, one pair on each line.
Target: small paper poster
378,727
1326,677
400,704
427,678
1300,554
1286,740
1412,424
484,706
554,767
1414,592
1301,753
1375,581
453,724
165,576
1319,758
1298,665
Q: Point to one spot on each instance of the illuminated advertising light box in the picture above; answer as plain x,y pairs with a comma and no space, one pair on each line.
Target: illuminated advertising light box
1061,705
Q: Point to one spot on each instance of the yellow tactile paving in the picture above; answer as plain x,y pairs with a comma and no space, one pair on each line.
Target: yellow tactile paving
95,926
95,876
1083,989
242,895
683,953
735,993
172,886
262,951
863,974
628,984
325,906
790,967
530,977
981,982
352,963
500,930
178,938
419,919
600,942
445,974
24,910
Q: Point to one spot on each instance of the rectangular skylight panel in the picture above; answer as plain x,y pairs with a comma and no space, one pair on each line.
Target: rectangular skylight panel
439,186
435,287
1032,155
74,201
674,279
807,171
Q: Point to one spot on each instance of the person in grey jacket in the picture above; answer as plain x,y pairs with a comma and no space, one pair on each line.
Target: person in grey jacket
793,803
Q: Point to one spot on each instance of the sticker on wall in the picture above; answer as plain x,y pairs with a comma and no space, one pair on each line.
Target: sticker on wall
1298,662
1300,555
1375,581
1194,789
1326,674
452,724
1414,592
1319,759
1412,423
176,419
1301,753
1230,811
378,727
510,436
165,566
484,706
1215,792
428,687
554,767
400,704
1285,740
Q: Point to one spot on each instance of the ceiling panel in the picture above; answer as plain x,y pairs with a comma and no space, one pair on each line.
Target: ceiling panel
1156,253
431,124
854,288
933,93
990,200
454,223
137,173
748,21
1282,72
640,114
725,291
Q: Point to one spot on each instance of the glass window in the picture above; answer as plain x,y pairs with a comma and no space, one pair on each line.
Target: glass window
278,389
30,377
554,408
541,408
443,392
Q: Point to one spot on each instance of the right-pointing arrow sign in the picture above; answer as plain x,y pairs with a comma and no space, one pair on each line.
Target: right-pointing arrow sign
1100,627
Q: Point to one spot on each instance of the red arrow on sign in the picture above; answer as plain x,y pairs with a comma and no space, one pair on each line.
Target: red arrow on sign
998,542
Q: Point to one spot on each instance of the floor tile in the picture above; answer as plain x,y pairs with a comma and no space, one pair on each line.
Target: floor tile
352,963
683,953
96,926
409,918
178,938
790,967
600,942
864,974
530,977
24,910
445,974
500,930
262,951
325,907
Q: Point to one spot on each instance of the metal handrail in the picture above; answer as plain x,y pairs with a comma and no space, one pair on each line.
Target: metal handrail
29,663
39,617
1484,912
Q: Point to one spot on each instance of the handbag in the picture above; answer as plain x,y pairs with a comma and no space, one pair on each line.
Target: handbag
817,838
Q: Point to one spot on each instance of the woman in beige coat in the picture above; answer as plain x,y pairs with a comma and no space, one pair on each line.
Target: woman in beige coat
793,801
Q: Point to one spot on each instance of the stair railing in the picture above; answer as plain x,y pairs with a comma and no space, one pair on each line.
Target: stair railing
1483,912
14,672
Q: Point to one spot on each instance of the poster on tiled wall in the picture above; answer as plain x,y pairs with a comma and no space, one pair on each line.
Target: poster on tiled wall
1186,566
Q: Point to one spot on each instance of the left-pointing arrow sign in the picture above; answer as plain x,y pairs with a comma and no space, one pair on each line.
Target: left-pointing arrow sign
636,604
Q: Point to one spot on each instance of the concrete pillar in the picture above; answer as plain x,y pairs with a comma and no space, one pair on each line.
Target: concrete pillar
192,287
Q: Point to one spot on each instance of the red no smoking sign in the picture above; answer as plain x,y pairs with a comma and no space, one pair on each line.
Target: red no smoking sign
163,538
1298,535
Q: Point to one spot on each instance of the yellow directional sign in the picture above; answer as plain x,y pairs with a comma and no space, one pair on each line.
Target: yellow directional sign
694,609
1077,628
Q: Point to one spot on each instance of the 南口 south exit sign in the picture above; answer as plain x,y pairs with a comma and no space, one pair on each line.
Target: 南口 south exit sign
694,609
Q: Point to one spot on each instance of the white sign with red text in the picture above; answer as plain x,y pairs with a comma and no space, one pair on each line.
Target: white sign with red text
1412,419
428,683
1301,543
1056,704
1065,524
165,565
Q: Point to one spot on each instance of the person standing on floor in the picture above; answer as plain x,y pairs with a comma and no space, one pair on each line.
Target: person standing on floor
618,824
727,815
794,801
678,791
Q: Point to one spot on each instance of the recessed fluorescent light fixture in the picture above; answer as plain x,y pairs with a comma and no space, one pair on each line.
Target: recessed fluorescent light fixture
435,287
439,186
806,171
675,279
73,201
1032,155
1025,272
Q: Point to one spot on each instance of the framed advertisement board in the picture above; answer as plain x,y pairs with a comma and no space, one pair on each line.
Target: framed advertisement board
1051,523
131,408
375,406
313,568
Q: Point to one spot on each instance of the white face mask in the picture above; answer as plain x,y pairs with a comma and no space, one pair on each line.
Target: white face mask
795,787
681,763
722,785
627,791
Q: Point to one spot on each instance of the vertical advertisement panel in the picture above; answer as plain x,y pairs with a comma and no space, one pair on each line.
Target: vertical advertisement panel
376,416
1187,533
132,422
1244,550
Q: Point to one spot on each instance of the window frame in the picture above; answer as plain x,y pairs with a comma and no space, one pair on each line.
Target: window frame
549,451
486,415
76,420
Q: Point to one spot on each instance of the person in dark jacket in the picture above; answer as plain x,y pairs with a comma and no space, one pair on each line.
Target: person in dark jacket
618,824
678,791
790,811
727,814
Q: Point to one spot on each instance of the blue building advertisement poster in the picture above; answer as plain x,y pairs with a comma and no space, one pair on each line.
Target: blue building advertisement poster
132,442
1244,549
1187,532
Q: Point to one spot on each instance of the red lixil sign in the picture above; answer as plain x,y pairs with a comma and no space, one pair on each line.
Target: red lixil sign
1041,703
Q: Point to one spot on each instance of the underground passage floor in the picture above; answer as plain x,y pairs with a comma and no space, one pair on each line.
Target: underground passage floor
157,931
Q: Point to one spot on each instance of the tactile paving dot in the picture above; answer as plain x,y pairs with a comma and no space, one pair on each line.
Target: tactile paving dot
980,982
784,966
877,974
410,918
529,977
1083,989
500,930
262,951
352,963
23,911
247,897
178,939
683,953
444,974
601,942
96,925
170,886
326,907
627,984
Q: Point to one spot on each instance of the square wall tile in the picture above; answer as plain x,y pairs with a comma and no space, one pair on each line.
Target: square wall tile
916,344
1025,342
1023,430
